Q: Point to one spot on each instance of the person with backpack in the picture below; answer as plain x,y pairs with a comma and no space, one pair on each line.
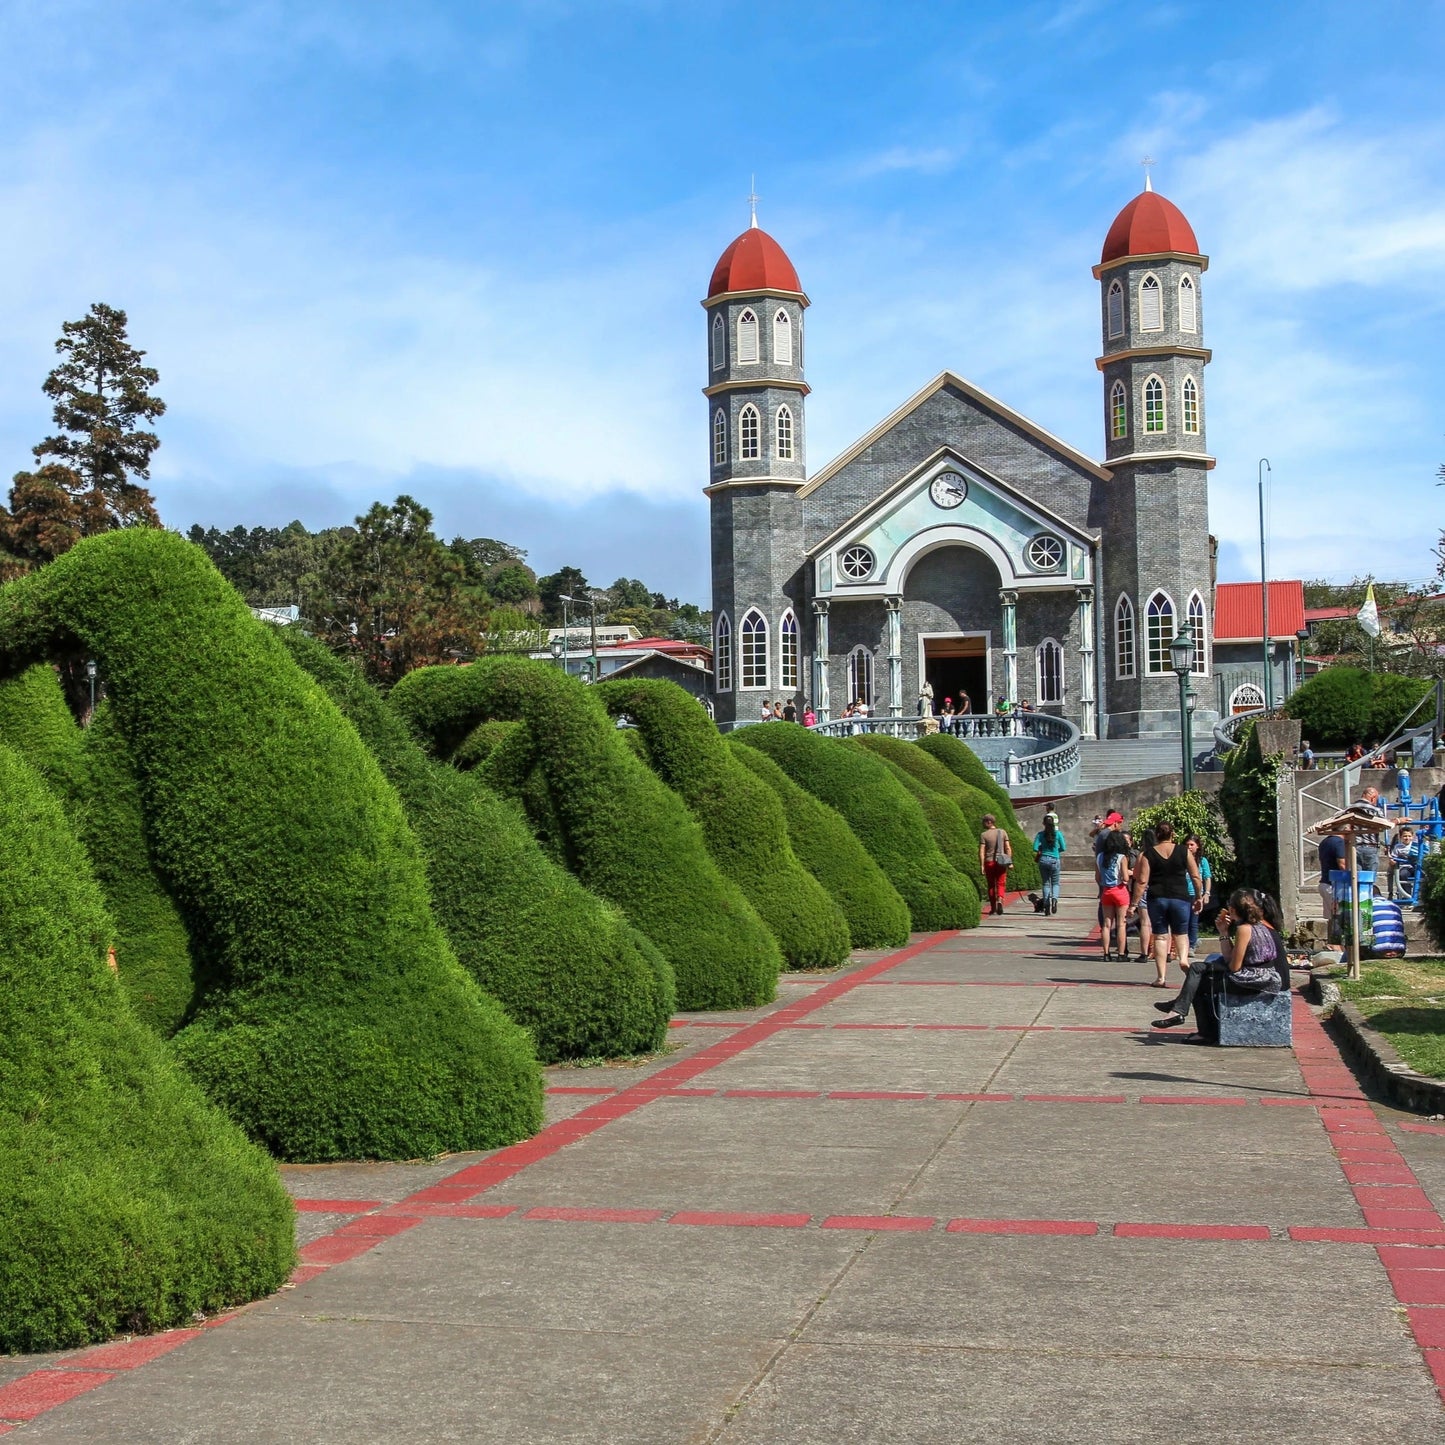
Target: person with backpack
1048,853
995,856
1112,871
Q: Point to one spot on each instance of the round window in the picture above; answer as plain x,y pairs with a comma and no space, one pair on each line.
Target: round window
856,563
1046,554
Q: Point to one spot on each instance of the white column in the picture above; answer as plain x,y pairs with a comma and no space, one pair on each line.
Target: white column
1088,696
894,606
1009,599
820,660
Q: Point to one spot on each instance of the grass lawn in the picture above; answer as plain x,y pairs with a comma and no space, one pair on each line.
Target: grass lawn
1405,1000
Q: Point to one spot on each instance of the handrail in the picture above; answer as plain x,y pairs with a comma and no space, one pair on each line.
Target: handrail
1226,730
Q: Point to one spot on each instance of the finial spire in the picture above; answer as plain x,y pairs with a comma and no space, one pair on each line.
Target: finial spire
1147,162
753,199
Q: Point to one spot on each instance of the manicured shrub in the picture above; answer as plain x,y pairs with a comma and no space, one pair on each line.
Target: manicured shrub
127,1202
617,825
1343,705
336,1022
964,764
564,964
1432,896
93,775
887,820
956,836
826,846
741,818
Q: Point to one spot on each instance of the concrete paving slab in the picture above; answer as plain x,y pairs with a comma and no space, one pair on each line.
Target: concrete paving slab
861,1395
383,1181
1231,1300
274,1381
889,1002
1166,1164
621,1278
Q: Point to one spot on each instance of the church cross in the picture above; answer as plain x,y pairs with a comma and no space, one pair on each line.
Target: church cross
1147,162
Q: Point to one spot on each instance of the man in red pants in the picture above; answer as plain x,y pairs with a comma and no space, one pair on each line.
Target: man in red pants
995,856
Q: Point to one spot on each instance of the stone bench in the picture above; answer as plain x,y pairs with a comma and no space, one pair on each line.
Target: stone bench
1253,1020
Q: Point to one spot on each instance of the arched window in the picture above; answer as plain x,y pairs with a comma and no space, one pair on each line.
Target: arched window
1051,671
722,661
784,449
1189,405
747,338
1188,304
1124,663
1116,309
1194,620
719,437
754,650
783,338
719,342
749,427
860,675
1245,698
1118,411
1151,305
1159,623
788,652
1153,405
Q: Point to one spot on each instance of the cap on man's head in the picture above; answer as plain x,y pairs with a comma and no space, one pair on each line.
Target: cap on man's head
1114,819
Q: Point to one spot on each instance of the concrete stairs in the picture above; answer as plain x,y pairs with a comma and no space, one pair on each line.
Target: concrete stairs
1110,764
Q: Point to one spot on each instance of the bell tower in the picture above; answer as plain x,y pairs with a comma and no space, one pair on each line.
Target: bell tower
1156,572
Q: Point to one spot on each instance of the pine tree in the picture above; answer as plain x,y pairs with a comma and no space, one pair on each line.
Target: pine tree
91,468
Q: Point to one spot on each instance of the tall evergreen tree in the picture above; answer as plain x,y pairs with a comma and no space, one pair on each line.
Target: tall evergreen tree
92,466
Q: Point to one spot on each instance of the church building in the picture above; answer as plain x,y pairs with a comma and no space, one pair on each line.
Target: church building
958,541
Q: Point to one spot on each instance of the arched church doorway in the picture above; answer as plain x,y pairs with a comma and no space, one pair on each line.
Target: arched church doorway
957,666
952,617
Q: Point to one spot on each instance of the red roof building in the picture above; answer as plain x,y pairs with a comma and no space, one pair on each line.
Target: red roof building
1149,225
1237,614
754,262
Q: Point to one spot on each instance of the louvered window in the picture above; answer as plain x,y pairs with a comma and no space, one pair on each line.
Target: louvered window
1190,408
754,650
788,638
1051,671
1188,305
1116,310
747,338
1153,405
1118,411
719,343
783,338
1124,638
749,425
785,434
1151,307
723,658
1194,620
1159,621
719,437
860,676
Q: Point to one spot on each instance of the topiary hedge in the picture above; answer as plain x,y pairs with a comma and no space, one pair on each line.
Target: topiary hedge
827,847
887,820
127,1202
1343,705
617,825
964,764
336,1023
564,964
93,775
955,834
741,818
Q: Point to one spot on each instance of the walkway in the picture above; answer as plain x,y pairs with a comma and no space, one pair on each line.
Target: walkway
955,1193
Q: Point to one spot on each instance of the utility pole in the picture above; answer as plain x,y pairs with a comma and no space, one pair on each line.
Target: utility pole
1264,467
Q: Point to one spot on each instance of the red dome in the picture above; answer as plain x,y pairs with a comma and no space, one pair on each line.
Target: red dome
1146,226
754,262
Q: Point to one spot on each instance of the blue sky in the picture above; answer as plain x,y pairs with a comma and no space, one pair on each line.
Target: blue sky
457,249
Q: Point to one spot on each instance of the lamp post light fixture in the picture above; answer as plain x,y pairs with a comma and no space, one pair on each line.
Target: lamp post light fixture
1181,659
557,647
90,677
589,603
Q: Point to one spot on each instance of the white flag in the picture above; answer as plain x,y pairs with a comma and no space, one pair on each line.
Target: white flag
1369,615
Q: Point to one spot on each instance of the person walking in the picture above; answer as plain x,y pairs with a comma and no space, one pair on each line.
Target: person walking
790,711
1049,855
1112,873
1206,875
995,856
1166,869
810,718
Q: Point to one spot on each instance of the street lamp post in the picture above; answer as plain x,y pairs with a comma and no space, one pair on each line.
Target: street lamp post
591,604
1181,659
90,676
558,649
1264,467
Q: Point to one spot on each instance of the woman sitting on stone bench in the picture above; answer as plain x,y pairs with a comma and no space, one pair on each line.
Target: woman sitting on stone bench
1255,963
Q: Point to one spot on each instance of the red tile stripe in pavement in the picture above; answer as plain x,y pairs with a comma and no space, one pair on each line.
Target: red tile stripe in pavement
43,1389
1396,1210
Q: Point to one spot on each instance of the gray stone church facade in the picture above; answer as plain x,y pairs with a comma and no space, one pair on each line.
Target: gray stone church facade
958,541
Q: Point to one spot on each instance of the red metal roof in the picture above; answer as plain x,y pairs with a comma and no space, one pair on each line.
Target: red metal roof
1147,225
1237,611
1329,614
754,262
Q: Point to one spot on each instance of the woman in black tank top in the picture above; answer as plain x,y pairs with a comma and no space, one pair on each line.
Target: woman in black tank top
1166,870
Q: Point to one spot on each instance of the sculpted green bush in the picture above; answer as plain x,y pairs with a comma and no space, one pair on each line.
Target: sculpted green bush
564,964
614,823
336,1023
826,846
93,775
741,818
887,820
127,1202
964,764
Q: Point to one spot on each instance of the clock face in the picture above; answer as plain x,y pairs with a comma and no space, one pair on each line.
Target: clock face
948,489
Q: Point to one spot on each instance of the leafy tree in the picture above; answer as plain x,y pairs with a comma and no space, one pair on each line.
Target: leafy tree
92,465
568,581
395,596
691,624
629,592
487,552
649,621
513,585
